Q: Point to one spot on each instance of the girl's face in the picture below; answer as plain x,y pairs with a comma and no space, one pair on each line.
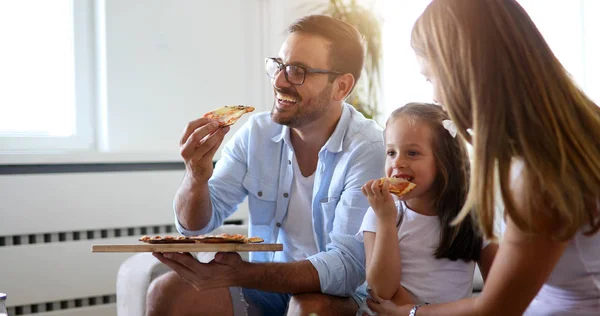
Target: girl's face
409,155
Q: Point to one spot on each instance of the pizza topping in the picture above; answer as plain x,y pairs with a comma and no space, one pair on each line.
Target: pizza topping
229,114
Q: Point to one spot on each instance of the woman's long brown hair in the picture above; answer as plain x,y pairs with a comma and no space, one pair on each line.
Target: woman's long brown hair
498,77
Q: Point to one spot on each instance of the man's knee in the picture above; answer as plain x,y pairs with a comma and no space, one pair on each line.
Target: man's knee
169,295
164,293
321,304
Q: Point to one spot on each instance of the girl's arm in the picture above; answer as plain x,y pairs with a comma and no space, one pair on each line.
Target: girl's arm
381,248
487,258
383,260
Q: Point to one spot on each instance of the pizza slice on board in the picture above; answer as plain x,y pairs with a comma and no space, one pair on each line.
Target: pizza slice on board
212,239
220,239
166,240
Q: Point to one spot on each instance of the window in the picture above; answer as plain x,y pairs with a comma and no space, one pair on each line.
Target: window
407,84
46,76
570,27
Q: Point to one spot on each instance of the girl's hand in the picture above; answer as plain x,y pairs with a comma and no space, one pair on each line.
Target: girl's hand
381,199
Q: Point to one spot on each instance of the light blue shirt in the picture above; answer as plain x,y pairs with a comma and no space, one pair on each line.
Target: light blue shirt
256,163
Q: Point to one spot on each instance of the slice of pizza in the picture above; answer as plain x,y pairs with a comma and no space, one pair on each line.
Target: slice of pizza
229,114
212,239
220,239
226,238
254,240
166,240
399,186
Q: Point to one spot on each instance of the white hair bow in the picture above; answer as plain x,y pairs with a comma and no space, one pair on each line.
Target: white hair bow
450,127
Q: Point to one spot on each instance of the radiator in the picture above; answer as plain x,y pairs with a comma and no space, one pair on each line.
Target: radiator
50,217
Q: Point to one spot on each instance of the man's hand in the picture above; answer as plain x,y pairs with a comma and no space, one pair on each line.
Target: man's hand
199,143
220,272
381,200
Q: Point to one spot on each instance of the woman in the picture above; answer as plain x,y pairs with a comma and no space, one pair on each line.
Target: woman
540,134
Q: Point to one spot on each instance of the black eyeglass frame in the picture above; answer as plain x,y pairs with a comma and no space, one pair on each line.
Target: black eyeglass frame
284,67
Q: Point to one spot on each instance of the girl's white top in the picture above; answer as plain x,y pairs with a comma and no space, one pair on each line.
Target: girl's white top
428,279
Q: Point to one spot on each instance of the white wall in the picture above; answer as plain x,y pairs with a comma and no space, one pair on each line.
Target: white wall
168,62
164,63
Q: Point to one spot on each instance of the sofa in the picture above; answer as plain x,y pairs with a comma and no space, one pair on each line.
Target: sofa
137,272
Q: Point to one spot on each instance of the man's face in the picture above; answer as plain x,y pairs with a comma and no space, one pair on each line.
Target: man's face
298,105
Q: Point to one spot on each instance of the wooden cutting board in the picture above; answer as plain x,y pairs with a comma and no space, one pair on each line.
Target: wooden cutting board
231,247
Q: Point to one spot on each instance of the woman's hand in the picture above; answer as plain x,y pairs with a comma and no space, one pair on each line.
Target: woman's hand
385,307
381,199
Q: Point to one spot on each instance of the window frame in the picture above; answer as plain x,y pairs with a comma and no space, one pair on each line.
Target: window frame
84,66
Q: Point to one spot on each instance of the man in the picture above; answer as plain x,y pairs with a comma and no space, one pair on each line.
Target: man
302,168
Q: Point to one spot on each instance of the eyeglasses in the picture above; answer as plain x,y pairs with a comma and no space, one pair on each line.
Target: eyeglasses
293,74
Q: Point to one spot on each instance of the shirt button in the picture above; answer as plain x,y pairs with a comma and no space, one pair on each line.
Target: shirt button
285,195
259,193
289,162
278,224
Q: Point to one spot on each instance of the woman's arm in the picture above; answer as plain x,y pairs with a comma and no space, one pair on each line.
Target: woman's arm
383,260
487,258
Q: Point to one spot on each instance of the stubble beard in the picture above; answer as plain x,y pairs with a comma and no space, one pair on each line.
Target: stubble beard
304,113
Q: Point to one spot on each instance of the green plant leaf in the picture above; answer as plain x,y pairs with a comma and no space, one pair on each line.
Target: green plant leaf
365,94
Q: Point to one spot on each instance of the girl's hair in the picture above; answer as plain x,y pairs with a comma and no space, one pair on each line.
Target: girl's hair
451,182
498,76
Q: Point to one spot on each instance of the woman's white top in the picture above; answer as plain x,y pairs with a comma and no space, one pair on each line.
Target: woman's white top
574,285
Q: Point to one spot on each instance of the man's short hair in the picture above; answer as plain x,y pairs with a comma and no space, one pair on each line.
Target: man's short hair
347,51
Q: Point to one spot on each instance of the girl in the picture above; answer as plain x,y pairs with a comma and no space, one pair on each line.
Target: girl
538,135
412,251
